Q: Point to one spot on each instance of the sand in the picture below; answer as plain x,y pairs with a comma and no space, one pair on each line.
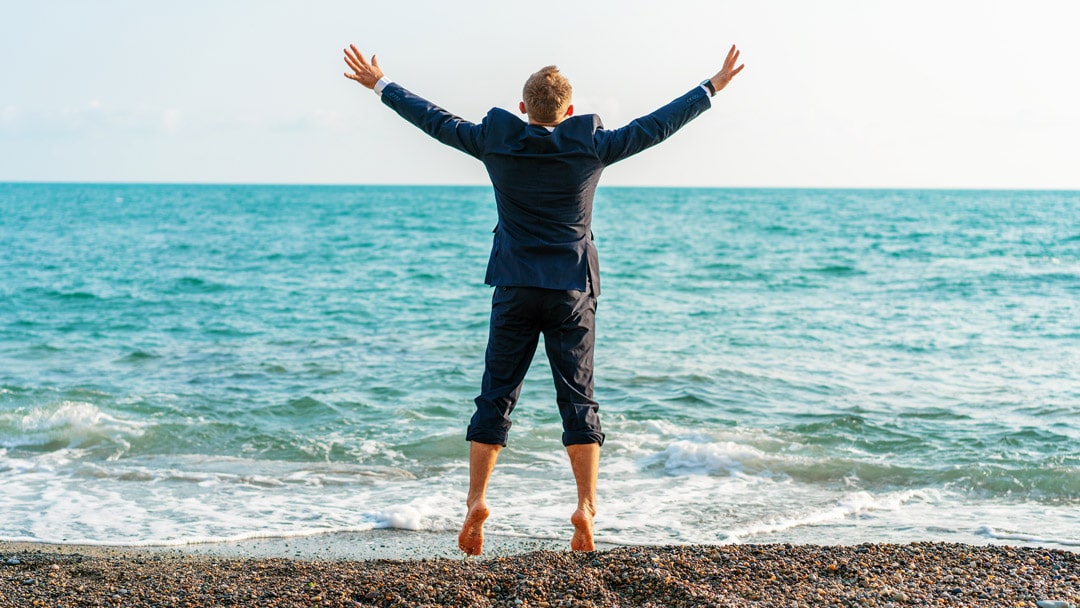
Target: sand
920,574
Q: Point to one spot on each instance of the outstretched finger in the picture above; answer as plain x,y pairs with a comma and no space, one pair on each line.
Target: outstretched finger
356,61
349,59
732,57
358,56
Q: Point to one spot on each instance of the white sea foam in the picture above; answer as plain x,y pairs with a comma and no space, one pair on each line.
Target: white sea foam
54,497
238,471
991,532
846,506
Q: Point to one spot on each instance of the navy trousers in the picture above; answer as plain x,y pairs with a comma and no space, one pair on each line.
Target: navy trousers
518,316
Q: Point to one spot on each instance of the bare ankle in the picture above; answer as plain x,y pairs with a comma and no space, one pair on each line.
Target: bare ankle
584,515
583,529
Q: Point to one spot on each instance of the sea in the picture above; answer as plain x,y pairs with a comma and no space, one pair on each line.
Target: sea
187,364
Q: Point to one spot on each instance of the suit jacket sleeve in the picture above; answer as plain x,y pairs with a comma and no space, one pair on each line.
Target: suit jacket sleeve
647,131
435,121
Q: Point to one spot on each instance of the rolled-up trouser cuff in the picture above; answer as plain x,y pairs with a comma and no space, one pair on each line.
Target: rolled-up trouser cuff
582,437
486,436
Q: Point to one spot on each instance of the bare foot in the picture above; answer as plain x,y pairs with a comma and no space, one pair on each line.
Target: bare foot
583,528
471,538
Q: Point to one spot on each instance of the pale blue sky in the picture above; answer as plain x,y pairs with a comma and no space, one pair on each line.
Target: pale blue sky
855,93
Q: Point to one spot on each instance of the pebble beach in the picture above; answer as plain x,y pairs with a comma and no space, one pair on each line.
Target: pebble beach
920,574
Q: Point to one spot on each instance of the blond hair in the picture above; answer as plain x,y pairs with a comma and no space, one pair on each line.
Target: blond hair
546,94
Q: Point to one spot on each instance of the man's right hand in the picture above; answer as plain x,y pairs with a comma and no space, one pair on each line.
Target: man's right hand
724,76
365,73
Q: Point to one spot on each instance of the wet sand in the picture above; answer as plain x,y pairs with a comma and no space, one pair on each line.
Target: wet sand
925,574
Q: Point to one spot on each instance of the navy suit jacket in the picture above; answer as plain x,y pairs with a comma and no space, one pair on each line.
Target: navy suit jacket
544,181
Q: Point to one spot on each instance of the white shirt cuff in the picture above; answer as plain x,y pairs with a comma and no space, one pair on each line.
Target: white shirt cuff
380,85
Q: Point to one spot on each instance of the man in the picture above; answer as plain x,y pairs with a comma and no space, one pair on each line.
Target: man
543,263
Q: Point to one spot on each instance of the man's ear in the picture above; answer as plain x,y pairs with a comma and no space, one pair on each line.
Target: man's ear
521,106
569,110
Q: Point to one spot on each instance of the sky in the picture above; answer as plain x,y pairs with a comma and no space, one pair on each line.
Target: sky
836,93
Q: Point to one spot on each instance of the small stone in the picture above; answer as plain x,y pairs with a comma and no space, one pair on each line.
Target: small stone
1053,604
13,562
28,581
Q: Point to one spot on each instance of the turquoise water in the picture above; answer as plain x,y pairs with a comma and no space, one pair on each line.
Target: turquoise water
183,364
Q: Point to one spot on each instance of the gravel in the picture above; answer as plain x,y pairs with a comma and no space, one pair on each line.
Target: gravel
789,576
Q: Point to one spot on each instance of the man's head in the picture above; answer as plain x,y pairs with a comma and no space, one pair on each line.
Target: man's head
547,97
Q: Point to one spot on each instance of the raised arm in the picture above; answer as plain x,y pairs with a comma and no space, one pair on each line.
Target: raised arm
428,117
651,129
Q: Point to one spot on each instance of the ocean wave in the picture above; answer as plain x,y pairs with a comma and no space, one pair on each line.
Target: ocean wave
680,451
67,424
839,270
138,356
1047,483
847,506
155,511
64,296
688,457
196,285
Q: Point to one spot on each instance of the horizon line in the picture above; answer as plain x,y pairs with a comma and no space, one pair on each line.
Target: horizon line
488,185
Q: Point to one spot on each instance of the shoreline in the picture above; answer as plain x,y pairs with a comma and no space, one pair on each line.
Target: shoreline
403,545
947,574
379,544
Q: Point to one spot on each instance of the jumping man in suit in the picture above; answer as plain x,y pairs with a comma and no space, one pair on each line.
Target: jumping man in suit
543,263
